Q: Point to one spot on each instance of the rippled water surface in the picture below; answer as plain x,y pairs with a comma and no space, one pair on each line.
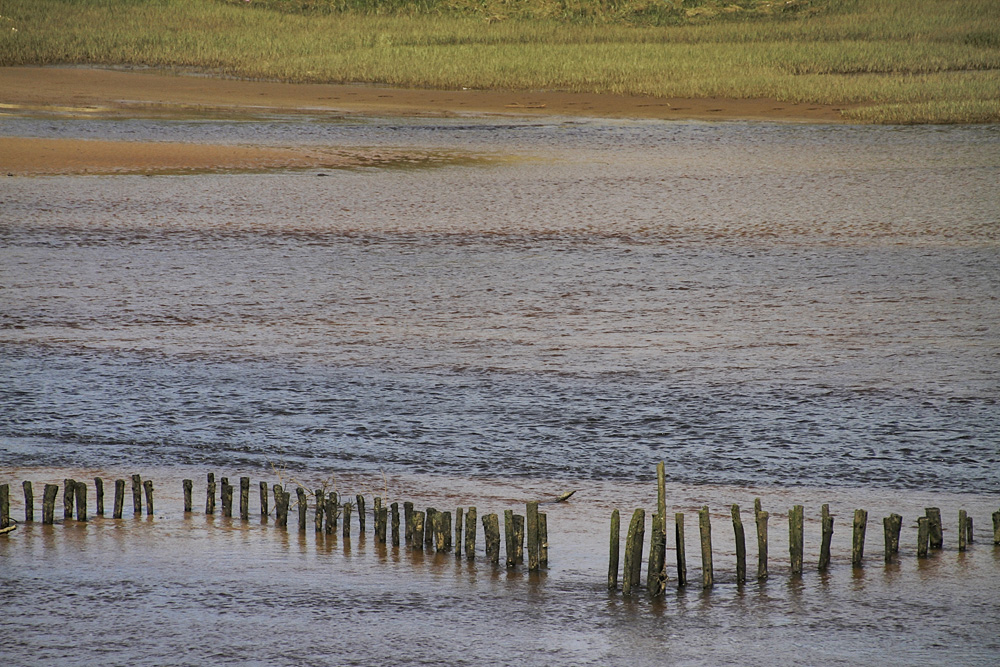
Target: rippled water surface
808,314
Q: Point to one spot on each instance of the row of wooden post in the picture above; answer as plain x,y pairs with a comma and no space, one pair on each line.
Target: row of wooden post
428,530
929,536
75,498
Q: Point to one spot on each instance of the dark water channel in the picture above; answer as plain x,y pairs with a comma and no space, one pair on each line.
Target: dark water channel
808,314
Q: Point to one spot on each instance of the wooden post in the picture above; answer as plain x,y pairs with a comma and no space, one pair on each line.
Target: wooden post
49,503
136,494
210,494
656,574
996,527
264,510
615,548
188,490
543,540
470,533
417,529
795,538
936,536
394,512
80,493
227,498
968,525
29,502
148,486
99,495
320,509
429,518
443,538
69,488
705,527
244,498
332,512
508,534
280,506
459,517
346,530
741,546
858,544
963,518
761,521
890,526
381,522
119,499
682,573
519,538
824,549
361,512
632,572
923,536
407,521
531,512
491,533
300,495
897,525
4,505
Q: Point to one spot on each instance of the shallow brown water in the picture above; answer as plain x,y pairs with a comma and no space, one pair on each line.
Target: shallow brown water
804,314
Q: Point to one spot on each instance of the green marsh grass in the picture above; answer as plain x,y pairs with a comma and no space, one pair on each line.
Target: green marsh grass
892,61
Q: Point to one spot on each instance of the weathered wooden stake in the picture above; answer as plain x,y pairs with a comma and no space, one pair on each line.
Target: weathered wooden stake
136,494
346,531
227,498
99,494
320,509
531,512
444,539
210,494
968,525
491,532
394,510
188,491
897,525
407,521
508,536
705,527
795,538
417,529
119,499
332,512
69,488
936,536
824,548
281,500
656,580
996,527
632,572
761,521
543,540
80,493
29,502
858,544
300,495
361,512
429,517
49,503
682,573
963,518
381,522
438,527
518,538
923,536
470,533
148,486
615,550
4,505
741,546
459,517
244,498
264,509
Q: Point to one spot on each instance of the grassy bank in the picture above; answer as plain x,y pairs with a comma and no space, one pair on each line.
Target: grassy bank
891,60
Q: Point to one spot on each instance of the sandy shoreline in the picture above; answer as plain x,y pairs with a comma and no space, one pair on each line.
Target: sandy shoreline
91,92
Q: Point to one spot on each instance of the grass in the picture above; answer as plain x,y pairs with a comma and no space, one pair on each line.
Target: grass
892,61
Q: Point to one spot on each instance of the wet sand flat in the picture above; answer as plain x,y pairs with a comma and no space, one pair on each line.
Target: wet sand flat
113,93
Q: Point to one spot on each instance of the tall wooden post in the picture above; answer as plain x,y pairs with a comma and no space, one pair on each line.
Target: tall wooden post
244,498
99,495
795,538
705,528
80,493
519,538
824,549
69,488
346,529
741,546
29,502
508,535
210,494
136,494
761,521
632,573
300,495
394,513
361,512
188,491
470,533
858,545
923,536
264,509
119,499
682,576
49,503
614,557
531,512
148,487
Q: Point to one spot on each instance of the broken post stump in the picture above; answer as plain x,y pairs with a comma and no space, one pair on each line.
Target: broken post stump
188,491
923,536
80,493
148,487
936,534
244,498
858,544
632,572
417,529
29,502
119,499
491,533
300,495
69,488
795,538
320,495
49,494
394,512
210,494
470,533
